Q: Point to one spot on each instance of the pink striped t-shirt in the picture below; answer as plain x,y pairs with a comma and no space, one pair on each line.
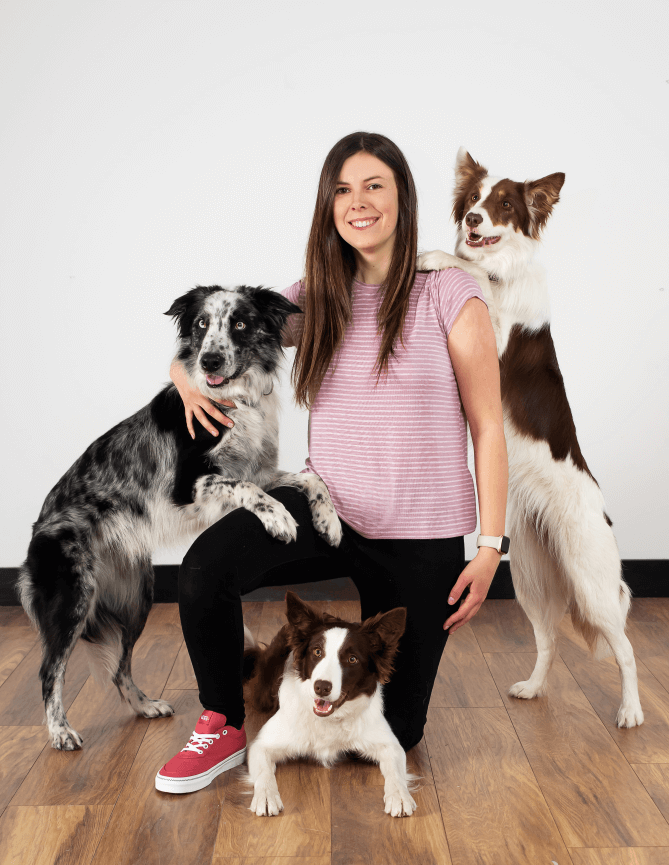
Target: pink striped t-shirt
394,454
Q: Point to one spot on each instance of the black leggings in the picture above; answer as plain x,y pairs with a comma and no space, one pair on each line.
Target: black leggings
237,555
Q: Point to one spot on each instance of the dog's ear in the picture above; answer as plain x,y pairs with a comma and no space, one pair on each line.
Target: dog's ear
384,631
541,196
183,308
300,616
468,173
274,307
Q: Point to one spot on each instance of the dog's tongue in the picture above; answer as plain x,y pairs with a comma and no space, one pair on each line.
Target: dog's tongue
214,379
323,705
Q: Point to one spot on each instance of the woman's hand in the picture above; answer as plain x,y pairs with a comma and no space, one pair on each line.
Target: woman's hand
477,575
196,403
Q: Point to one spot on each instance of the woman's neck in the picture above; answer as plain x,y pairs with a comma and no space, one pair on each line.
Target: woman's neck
372,269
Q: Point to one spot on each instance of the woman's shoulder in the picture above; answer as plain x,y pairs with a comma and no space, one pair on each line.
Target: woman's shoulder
450,289
293,292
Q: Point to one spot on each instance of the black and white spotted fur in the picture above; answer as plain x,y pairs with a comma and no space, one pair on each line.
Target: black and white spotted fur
146,483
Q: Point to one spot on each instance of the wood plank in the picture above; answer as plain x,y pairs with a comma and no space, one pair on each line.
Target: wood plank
463,679
272,860
620,856
152,827
19,748
655,778
502,626
301,829
600,682
493,809
164,619
272,619
182,677
67,835
17,637
594,795
363,833
651,643
649,610
112,734
21,694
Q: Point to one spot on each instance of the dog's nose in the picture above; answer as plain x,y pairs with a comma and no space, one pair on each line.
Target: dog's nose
323,688
210,361
473,219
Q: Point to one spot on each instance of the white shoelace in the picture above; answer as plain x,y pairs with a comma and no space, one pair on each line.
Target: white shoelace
201,740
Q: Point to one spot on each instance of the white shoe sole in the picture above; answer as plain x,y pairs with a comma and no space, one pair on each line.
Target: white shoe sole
204,779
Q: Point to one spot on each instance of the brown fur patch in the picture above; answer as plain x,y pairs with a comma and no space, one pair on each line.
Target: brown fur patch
534,395
541,196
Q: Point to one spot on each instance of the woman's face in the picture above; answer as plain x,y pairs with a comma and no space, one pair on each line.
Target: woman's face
365,204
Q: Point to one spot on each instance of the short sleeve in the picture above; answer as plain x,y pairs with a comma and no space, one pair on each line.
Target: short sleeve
293,329
450,290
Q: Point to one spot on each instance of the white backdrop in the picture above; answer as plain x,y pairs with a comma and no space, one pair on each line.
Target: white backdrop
150,146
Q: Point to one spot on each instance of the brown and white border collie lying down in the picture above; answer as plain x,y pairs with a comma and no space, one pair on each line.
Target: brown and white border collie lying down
563,553
323,678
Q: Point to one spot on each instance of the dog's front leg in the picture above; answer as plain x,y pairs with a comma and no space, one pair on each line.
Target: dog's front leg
390,756
213,496
325,519
262,773
393,765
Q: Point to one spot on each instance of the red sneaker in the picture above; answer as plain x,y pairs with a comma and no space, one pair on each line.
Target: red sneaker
213,748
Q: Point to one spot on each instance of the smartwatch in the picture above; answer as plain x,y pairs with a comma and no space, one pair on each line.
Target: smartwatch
499,544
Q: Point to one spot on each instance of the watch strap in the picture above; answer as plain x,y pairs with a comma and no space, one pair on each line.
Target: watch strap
501,544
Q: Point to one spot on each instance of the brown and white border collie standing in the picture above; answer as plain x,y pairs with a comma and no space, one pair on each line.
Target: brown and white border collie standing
323,678
563,554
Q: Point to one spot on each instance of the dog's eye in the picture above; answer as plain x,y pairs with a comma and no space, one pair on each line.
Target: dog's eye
317,652
202,323
505,204
475,197
352,659
240,325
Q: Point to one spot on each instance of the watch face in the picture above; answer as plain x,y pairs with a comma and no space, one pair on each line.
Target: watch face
505,545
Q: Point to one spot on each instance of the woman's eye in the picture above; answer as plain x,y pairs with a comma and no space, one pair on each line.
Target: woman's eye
374,186
202,323
340,190
240,325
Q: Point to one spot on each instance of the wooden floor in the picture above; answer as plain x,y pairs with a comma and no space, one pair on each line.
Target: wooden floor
503,781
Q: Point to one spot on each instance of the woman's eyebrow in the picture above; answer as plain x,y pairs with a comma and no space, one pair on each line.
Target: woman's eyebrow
344,183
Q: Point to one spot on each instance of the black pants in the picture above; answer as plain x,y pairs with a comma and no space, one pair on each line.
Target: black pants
237,555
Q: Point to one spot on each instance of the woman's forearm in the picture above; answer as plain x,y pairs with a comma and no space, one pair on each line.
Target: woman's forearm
492,478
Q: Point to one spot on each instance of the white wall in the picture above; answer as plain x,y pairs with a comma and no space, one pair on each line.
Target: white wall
149,146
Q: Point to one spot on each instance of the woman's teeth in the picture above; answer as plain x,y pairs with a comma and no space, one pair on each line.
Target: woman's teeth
363,223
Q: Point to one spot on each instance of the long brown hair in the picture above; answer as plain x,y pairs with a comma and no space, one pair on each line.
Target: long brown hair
330,268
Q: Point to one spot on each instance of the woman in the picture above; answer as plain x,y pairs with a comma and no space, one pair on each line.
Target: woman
382,352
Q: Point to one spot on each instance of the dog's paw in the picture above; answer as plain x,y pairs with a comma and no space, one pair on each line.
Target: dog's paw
66,739
399,803
436,260
266,801
526,690
326,522
278,521
157,709
630,716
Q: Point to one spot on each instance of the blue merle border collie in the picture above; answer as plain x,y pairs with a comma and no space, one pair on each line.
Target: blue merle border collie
146,483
